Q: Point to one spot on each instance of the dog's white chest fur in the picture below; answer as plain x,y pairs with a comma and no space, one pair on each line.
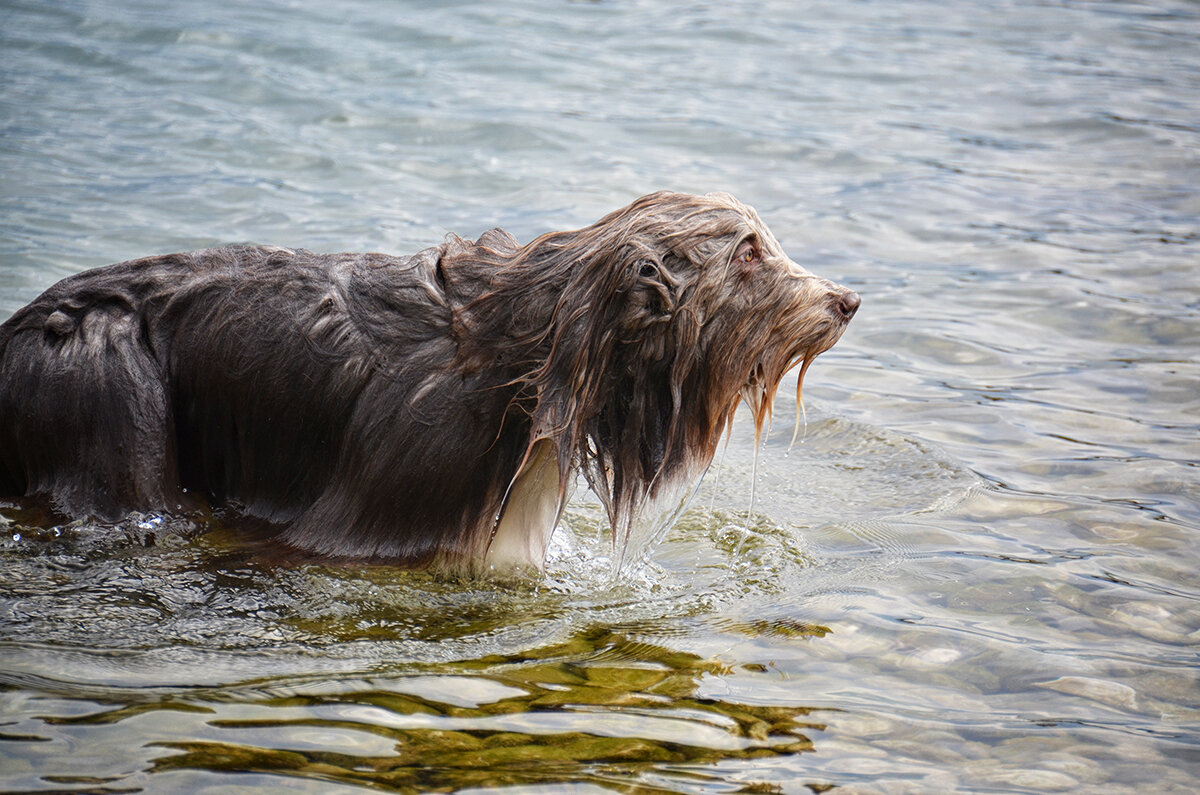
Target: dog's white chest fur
530,514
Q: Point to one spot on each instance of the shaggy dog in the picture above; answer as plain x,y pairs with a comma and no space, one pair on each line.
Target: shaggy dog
430,410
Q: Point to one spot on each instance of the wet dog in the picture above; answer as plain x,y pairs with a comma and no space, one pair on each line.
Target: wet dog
430,410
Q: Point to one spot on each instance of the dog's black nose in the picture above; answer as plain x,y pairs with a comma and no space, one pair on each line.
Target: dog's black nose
848,304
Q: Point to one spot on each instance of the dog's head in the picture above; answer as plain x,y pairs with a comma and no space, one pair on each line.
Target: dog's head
643,332
706,286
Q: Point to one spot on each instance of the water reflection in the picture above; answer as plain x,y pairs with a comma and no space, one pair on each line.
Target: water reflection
605,703
603,707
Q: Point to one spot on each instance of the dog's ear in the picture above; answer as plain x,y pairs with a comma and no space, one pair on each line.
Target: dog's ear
654,288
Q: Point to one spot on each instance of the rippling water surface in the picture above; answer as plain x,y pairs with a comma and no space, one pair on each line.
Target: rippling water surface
976,572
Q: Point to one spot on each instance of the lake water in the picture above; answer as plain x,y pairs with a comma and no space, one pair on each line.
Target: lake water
978,570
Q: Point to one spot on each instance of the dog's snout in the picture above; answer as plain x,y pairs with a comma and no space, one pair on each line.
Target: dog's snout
847,304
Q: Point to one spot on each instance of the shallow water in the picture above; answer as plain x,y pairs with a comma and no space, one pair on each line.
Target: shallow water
976,572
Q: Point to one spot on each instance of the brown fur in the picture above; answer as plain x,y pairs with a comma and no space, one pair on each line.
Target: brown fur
428,410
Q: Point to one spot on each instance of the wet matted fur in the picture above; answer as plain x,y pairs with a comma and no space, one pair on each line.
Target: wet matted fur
426,410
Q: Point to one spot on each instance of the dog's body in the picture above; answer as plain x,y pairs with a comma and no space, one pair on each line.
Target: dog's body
425,410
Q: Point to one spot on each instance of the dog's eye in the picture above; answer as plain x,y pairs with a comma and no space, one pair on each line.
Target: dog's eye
747,255
648,270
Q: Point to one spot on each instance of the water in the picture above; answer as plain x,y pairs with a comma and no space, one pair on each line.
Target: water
977,570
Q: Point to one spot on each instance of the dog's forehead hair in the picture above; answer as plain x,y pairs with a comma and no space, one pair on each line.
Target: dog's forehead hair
700,228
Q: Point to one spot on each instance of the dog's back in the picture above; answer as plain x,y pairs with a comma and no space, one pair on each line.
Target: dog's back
278,380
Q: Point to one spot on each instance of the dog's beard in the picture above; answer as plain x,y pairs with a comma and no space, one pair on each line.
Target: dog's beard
760,388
